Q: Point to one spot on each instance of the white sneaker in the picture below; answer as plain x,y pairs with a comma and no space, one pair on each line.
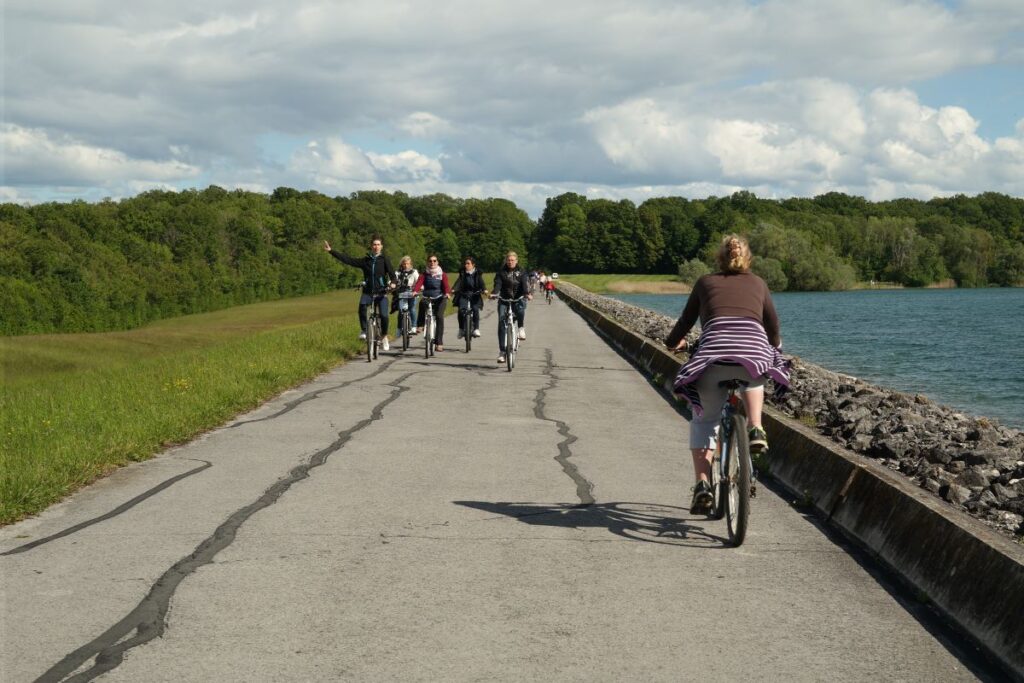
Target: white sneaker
362,336
501,358
461,334
522,334
384,344
476,333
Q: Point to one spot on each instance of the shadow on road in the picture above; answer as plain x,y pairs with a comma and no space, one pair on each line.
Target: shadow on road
636,521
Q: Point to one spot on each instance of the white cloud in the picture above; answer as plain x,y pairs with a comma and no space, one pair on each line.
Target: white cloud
33,155
780,96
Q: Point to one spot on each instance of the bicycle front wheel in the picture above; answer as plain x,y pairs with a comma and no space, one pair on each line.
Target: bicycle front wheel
467,321
510,346
405,331
370,341
428,334
737,510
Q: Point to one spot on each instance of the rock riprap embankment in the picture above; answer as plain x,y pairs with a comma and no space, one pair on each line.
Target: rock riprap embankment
971,462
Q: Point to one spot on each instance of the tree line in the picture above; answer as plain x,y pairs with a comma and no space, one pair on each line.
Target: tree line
78,266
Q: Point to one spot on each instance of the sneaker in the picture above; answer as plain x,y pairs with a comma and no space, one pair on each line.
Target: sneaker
461,334
438,348
384,344
522,334
702,499
758,439
476,333
362,336
501,358
414,332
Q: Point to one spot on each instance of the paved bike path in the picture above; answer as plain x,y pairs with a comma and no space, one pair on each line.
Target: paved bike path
444,519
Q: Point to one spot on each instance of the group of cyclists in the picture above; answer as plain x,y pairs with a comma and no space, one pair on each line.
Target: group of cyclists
739,336
513,286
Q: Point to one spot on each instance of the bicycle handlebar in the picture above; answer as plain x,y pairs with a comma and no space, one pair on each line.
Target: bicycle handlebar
509,301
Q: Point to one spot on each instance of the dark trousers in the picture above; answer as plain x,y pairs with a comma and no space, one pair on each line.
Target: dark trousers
473,303
439,306
381,304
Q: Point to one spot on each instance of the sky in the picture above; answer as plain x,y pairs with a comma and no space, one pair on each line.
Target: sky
525,100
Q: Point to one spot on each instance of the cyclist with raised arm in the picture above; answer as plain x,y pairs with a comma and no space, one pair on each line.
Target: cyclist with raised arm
378,278
468,291
511,282
739,339
433,283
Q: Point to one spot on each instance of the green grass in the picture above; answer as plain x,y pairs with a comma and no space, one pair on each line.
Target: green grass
599,283
73,407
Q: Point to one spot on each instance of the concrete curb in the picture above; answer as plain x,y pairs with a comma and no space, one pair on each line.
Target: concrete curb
970,573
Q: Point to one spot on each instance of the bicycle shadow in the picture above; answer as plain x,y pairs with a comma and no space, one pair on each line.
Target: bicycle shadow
647,522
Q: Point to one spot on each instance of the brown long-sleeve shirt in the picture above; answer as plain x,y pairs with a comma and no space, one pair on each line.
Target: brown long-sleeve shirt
721,294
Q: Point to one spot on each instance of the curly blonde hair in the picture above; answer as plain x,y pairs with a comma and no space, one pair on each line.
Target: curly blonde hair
734,254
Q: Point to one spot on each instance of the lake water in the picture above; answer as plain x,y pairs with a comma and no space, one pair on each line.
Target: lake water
960,347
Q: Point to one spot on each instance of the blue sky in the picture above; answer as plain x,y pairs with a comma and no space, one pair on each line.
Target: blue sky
611,98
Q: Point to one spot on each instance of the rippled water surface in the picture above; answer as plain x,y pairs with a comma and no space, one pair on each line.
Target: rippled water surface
961,347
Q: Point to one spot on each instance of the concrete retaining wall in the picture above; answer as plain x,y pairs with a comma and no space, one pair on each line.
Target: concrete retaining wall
970,573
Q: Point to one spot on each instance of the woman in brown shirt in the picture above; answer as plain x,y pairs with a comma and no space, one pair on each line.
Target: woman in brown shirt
739,340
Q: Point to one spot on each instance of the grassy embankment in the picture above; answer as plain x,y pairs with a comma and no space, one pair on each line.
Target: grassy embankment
75,406
652,284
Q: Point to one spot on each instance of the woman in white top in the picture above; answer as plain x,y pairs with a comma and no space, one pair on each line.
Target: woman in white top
406,276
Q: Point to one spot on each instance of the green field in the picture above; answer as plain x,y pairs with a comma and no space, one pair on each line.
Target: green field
599,283
75,406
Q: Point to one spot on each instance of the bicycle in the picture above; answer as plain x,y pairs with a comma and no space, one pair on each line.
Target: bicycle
466,317
731,467
405,304
549,294
429,326
373,334
511,332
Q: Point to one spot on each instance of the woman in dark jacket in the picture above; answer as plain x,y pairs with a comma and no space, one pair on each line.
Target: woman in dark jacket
468,289
433,283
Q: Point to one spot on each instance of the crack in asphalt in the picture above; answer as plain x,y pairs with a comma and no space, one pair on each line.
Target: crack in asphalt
127,505
584,488
292,405
149,618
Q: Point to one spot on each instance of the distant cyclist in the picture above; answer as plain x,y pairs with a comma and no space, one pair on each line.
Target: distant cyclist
433,283
739,339
378,278
549,288
468,289
511,282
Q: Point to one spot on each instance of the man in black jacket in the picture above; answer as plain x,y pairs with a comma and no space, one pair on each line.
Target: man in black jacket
511,282
378,278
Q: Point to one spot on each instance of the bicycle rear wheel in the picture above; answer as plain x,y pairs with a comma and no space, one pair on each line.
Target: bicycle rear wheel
737,510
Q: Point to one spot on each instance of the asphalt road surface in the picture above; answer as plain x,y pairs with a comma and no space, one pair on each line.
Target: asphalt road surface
444,519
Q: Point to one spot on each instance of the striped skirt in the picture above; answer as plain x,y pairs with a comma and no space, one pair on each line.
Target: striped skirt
735,341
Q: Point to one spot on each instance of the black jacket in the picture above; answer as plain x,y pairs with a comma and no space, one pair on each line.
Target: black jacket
469,284
377,272
511,284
